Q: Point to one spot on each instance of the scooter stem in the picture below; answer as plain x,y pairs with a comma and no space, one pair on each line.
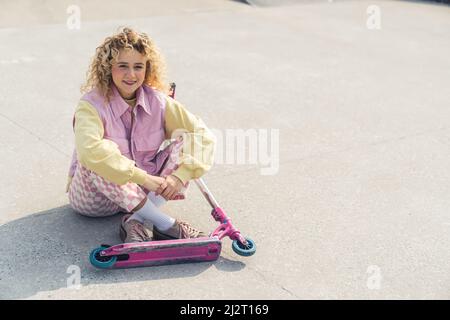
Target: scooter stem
206,193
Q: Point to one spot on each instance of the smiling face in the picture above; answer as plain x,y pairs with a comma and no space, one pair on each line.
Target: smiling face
128,73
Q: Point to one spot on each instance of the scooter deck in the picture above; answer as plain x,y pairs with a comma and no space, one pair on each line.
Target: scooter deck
154,253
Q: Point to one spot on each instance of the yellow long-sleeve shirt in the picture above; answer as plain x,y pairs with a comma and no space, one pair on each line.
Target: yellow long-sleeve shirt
104,157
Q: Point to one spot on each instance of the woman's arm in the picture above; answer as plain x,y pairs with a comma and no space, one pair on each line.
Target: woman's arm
198,149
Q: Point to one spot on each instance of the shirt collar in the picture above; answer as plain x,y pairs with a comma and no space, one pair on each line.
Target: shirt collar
120,106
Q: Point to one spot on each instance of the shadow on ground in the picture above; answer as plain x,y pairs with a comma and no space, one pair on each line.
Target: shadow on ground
37,251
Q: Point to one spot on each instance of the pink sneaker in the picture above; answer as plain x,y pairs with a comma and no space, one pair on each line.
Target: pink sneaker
133,231
180,230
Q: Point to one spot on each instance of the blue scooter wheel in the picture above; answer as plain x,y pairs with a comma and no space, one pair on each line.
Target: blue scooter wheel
242,250
101,262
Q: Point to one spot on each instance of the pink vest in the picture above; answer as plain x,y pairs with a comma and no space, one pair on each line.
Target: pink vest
147,132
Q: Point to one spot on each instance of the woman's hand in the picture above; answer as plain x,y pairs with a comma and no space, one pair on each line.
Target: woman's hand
173,186
154,183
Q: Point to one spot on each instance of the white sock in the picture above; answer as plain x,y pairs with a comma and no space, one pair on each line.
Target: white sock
157,200
151,212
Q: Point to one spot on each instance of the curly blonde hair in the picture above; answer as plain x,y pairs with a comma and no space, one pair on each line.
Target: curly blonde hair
99,74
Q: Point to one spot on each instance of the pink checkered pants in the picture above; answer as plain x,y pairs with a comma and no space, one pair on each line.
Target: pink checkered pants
91,195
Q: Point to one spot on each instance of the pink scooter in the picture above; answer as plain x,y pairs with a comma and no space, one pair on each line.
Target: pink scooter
154,253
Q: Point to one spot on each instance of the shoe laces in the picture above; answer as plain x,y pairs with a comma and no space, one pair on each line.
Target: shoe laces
138,233
187,231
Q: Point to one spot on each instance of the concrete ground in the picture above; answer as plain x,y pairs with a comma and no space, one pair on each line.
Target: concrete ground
357,202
